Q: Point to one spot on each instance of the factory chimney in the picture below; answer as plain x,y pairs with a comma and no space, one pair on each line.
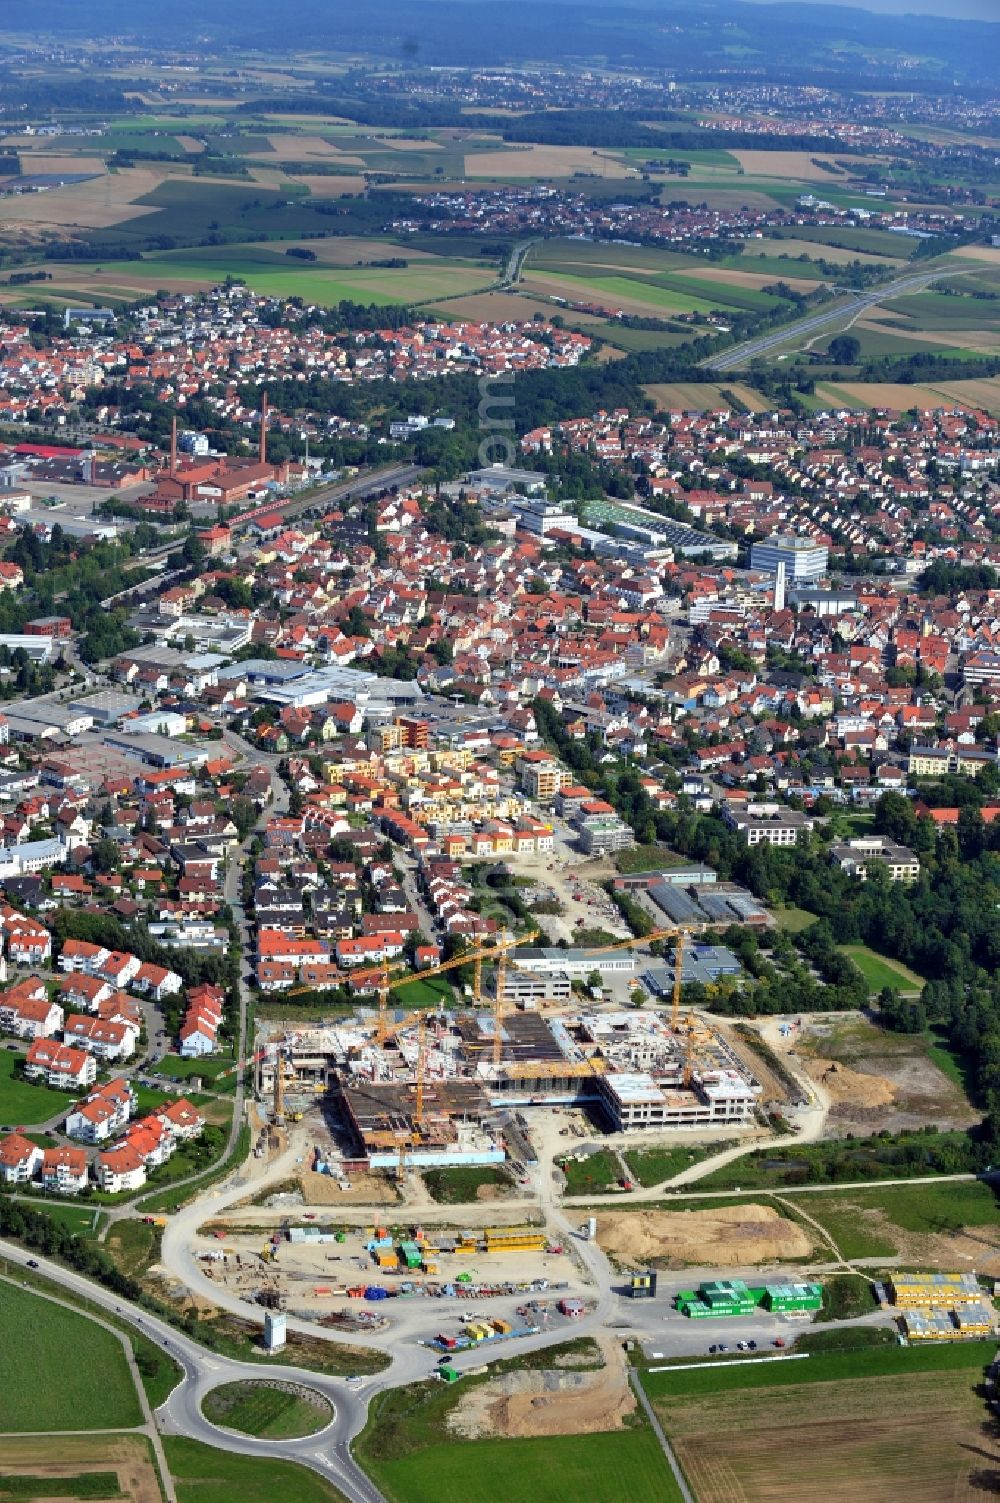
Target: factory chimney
779,588
263,428
173,446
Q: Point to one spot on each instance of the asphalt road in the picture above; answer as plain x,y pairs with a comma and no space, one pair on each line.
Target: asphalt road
742,353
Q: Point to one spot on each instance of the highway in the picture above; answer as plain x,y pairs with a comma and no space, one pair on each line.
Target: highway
835,313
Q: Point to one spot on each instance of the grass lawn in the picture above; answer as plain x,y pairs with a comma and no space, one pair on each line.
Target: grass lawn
134,1245
648,858
209,1070
880,972
270,1413
83,1221
434,992
794,920
592,1175
959,1068
455,1186
42,1388
24,1103
603,1468
844,1161
871,1223
205,1475
651,1166
824,1367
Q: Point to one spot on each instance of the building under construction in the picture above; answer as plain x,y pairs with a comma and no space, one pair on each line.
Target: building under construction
433,1088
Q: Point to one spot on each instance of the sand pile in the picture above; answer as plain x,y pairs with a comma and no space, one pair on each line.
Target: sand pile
725,1238
850,1087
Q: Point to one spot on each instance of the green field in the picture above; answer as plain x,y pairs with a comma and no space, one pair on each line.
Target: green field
593,1175
848,1160
880,972
23,1485
825,1367
435,992
44,1386
648,858
875,1223
579,287
410,1455
204,1475
22,1103
209,1070
651,1166
269,1413
419,282
83,1221
794,920
459,1184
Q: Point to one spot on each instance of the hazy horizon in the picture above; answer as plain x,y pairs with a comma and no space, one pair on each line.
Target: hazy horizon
958,10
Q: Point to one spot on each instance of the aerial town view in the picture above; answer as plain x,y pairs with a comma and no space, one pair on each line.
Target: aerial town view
500,752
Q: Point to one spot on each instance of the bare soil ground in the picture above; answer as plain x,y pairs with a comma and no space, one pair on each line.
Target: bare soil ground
797,165
850,1087
366,1189
923,1437
883,1080
729,1237
548,1402
127,1455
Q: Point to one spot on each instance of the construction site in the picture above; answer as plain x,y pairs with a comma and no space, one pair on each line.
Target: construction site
445,1086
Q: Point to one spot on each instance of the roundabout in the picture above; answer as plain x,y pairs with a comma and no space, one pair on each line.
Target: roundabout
268,1409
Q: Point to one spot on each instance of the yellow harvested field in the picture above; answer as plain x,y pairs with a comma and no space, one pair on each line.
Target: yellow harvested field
545,161
798,165
916,1436
406,143
974,394
289,148
815,250
893,394
95,204
191,144
990,254
697,396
